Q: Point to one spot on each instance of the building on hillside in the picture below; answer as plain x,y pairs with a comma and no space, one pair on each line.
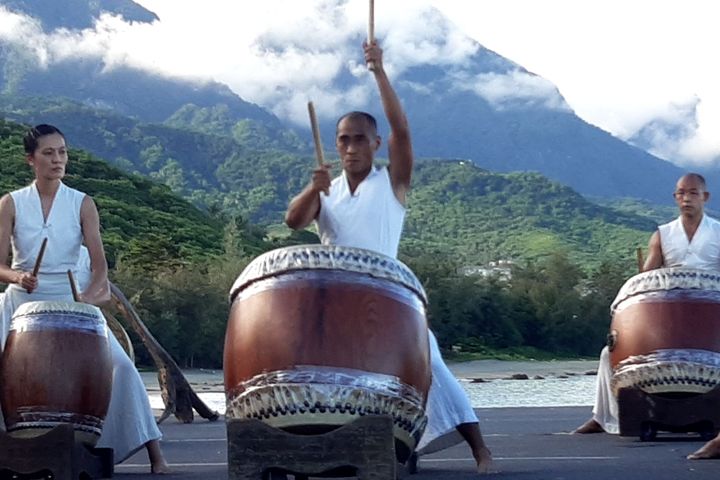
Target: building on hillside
501,269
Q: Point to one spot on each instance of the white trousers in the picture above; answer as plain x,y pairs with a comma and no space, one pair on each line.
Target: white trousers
447,407
605,411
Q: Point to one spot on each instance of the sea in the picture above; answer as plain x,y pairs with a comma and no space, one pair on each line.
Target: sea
488,384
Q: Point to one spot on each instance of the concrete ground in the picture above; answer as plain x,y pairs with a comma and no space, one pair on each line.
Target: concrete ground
527,443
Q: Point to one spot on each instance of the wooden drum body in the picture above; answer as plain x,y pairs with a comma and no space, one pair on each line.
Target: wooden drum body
56,368
665,333
319,335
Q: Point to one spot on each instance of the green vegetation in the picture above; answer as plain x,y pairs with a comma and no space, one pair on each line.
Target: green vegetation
176,262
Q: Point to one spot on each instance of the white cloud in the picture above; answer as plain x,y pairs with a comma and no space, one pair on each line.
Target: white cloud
620,65
515,88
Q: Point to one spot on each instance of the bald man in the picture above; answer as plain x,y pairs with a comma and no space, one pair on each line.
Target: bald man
693,241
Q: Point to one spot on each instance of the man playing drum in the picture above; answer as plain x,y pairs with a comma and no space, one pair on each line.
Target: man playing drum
364,207
692,240
68,218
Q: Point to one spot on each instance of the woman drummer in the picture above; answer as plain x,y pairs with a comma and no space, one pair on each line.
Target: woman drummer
48,208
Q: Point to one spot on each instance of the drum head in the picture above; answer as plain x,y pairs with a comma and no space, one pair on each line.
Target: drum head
328,257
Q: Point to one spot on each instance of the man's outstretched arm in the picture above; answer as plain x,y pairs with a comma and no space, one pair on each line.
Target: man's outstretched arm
399,144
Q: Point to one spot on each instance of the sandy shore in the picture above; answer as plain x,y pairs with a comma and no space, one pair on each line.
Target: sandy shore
493,369
203,380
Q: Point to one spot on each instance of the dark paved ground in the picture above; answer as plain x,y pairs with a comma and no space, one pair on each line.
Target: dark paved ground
527,443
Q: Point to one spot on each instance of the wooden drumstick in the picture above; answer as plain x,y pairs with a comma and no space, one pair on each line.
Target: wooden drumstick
38,261
39,258
73,287
371,31
316,135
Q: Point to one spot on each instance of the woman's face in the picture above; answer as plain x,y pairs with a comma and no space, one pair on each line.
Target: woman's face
49,158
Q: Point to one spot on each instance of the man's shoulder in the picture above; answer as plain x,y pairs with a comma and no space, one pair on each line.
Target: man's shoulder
713,221
669,224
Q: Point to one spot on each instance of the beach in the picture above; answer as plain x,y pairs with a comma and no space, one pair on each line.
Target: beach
488,383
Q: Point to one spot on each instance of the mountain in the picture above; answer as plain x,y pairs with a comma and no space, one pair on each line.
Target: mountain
498,115
78,14
129,91
249,169
482,108
481,216
142,221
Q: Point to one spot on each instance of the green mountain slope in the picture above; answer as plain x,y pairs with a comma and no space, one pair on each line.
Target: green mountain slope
482,216
244,169
141,220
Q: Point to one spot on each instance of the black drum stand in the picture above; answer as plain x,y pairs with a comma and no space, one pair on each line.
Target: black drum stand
645,414
55,455
364,448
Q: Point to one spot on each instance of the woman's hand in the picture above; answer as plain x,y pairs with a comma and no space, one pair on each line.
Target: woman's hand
27,280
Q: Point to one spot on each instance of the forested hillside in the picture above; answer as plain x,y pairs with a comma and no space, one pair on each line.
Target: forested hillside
482,216
142,221
177,262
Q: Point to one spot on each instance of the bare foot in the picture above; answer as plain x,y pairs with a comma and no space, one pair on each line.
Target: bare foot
158,465
591,426
483,458
710,450
160,468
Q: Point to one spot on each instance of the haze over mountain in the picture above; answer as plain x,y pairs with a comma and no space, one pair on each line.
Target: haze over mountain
463,102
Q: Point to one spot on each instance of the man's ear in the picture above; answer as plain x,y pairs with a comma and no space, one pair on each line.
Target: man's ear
378,142
706,196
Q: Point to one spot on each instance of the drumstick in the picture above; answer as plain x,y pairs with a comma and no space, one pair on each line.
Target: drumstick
39,258
316,135
73,287
371,31
38,261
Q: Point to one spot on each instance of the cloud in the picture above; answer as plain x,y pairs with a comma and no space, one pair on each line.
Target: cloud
668,130
280,53
513,89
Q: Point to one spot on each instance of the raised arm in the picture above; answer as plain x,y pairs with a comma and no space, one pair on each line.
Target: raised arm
305,207
399,144
98,291
655,257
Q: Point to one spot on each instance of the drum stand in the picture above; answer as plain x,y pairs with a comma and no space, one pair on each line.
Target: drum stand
364,448
643,414
53,455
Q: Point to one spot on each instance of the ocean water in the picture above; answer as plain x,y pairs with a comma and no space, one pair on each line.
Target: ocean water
496,391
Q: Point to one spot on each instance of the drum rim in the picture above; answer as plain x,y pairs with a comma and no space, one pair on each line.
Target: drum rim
329,257
643,282
36,307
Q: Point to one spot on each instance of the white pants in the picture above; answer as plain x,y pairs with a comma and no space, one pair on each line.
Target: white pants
605,411
447,406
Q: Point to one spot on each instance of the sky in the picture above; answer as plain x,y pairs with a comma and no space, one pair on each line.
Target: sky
626,66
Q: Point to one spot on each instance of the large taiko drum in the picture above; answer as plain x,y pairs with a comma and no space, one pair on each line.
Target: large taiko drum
319,335
665,332
56,368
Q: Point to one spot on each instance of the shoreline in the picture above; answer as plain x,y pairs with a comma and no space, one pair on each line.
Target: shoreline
211,380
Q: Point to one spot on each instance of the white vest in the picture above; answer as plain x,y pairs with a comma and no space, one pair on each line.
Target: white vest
62,230
702,252
371,218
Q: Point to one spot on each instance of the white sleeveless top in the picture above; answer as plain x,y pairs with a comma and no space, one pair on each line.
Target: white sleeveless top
702,252
62,230
371,218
